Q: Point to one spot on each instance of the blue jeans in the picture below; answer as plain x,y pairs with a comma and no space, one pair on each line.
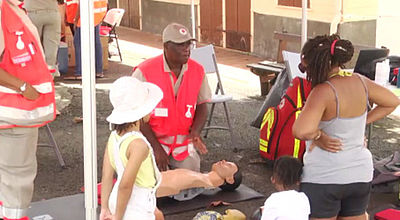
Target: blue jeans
98,51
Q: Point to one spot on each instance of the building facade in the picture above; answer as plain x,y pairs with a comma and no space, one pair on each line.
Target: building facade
250,25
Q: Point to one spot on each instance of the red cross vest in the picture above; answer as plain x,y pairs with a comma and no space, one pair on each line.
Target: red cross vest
173,116
71,8
99,10
24,59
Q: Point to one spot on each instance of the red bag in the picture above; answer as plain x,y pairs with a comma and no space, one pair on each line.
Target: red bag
276,138
388,214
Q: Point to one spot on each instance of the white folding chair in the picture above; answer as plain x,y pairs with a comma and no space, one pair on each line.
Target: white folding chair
113,18
206,57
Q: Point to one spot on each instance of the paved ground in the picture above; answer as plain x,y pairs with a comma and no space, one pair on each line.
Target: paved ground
52,181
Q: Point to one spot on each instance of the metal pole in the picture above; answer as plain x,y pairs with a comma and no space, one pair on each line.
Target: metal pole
89,108
193,18
304,23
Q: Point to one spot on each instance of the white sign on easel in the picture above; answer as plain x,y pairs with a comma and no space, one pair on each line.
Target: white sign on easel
292,61
382,72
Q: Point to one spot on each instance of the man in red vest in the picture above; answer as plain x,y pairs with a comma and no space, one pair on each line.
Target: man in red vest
26,103
175,125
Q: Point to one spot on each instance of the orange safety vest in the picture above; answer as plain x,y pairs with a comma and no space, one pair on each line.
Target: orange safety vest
71,8
173,116
24,59
99,9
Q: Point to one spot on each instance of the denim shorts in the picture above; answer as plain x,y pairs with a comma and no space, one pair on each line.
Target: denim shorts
330,200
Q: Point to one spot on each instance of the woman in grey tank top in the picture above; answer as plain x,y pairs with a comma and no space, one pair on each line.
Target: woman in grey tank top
337,166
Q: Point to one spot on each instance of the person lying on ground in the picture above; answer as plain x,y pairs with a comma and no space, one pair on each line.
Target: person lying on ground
174,181
129,154
223,174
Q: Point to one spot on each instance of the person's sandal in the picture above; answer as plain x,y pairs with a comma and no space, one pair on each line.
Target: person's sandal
73,77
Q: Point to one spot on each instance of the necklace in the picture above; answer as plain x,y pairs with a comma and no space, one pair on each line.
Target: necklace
341,73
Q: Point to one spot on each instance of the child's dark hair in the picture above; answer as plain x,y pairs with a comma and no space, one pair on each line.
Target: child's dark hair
324,52
287,171
120,128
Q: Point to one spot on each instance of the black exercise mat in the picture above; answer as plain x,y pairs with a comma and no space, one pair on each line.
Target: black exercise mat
73,207
62,208
170,206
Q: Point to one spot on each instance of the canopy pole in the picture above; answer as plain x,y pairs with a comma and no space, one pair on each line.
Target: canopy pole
89,108
193,19
304,23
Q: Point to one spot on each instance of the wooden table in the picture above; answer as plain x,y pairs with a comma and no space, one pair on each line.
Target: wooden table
266,71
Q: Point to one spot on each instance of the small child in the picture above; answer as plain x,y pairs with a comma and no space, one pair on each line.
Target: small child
129,154
287,203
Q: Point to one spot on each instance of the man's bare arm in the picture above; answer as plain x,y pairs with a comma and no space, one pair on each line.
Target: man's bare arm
10,81
159,152
200,118
14,83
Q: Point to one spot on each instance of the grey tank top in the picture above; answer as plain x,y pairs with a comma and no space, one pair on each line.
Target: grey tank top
351,165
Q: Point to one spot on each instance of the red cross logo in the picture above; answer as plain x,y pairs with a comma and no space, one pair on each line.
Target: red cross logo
182,31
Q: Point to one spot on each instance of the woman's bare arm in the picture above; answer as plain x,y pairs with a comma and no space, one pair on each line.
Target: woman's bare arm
385,100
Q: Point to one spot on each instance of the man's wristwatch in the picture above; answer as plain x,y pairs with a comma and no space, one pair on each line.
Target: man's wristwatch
22,89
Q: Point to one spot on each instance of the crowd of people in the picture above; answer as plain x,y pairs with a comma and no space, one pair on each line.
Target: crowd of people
159,112
332,122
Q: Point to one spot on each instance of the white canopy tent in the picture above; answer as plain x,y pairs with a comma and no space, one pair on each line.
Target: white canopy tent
193,18
89,109
89,98
304,23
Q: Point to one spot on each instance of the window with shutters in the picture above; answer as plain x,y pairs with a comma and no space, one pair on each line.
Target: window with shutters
293,3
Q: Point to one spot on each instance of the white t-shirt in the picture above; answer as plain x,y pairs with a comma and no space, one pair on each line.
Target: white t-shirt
286,205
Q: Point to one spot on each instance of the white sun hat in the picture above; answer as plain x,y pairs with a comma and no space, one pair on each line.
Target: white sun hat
132,99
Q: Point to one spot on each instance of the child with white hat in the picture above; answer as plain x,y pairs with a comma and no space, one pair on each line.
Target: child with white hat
129,154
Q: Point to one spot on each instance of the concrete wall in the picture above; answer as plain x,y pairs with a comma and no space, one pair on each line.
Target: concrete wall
158,14
265,25
356,10
387,34
362,33
359,32
320,10
388,29
364,22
